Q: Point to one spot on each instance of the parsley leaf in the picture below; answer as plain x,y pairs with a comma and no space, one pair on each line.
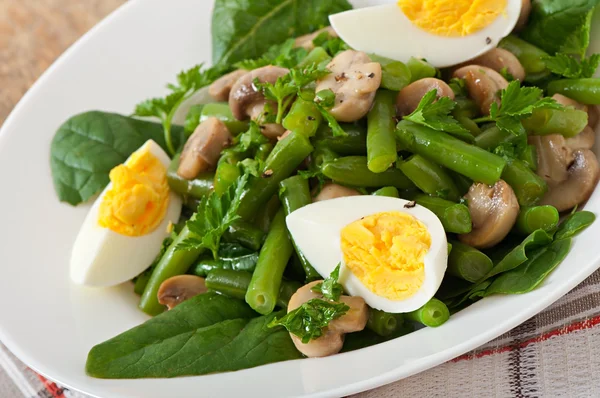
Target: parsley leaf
188,82
284,55
325,100
567,66
436,115
330,288
308,321
285,89
333,45
214,216
251,140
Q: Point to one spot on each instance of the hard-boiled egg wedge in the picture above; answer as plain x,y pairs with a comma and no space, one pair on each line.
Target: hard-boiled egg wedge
126,225
444,32
393,253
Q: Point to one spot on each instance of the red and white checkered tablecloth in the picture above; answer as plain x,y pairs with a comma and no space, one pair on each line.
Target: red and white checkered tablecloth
554,354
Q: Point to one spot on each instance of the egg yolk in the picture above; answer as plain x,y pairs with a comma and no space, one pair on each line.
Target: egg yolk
138,200
452,17
386,251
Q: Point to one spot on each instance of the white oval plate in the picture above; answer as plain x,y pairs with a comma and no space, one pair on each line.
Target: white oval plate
51,324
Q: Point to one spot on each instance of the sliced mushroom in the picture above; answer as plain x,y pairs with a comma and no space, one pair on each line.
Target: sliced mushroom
306,41
484,85
354,79
593,116
582,178
584,140
246,101
524,16
221,87
332,341
409,97
500,59
571,175
566,101
494,211
177,289
333,191
203,148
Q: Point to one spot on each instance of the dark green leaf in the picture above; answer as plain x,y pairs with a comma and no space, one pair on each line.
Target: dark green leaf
574,224
530,274
89,145
330,288
192,119
568,66
308,321
560,25
284,55
244,29
231,256
219,344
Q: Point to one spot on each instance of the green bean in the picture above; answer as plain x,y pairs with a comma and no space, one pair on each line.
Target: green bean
467,262
381,144
318,55
429,177
294,193
206,265
141,282
266,213
221,111
455,217
490,138
391,192
263,151
529,187
452,153
433,314
420,69
529,157
287,155
470,125
463,184
266,280
304,118
586,91
395,75
566,122
353,171
530,56
539,217
173,262
244,233
196,188
225,176
354,143
384,323
465,107
235,284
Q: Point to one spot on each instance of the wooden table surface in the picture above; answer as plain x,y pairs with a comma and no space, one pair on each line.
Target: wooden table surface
33,33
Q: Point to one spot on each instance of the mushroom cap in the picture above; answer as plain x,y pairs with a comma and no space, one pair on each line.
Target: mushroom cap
244,95
566,101
203,149
270,130
583,174
219,90
332,191
500,59
553,157
409,97
494,211
332,340
177,289
354,79
306,41
584,140
524,16
484,85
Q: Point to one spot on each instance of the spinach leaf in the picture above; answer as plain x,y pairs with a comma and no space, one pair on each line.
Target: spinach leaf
198,312
560,25
284,54
231,256
89,145
243,29
574,224
367,338
228,345
530,274
518,255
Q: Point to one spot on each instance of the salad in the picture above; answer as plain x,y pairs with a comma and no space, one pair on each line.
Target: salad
325,199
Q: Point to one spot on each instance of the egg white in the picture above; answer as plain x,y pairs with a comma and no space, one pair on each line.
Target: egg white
102,257
385,30
316,229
